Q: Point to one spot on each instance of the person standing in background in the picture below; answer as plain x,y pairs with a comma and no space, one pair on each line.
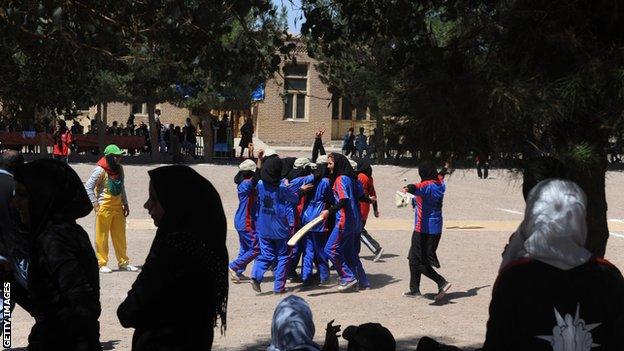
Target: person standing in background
348,146
189,139
107,193
247,131
360,143
63,139
483,165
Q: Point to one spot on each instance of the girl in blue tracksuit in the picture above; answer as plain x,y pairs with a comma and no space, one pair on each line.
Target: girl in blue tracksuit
321,200
245,220
340,247
428,197
299,176
357,244
275,223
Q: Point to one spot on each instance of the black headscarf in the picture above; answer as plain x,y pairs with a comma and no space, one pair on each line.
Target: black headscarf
242,175
298,172
55,193
287,166
363,166
321,172
62,129
200,214
342,166
427,171
271,172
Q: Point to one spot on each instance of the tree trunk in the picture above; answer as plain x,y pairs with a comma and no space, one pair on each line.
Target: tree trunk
102,124
591,178
207,134
380,147
151,107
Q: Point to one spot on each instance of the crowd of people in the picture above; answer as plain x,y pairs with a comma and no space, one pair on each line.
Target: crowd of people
279,196
550,294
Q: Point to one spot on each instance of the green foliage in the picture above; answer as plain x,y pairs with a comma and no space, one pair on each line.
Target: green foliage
505,77
56,54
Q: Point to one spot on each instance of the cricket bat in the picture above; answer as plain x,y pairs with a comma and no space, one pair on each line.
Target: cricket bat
304,230
402,199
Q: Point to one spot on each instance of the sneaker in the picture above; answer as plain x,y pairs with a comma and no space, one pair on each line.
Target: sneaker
128,268
378,255
255,285
348,285
444,288
412,294
105,269
234,276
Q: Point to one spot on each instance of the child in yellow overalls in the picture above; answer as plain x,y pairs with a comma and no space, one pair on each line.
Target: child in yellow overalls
108,194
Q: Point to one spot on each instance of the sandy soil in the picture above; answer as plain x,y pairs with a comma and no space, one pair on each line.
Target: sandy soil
470,259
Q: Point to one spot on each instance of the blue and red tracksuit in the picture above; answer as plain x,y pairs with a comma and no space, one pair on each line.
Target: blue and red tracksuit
321,200
357,242
304,246
340,247
275,224
428,197
245,224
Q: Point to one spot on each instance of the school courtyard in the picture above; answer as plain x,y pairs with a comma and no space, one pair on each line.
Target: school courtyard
480,215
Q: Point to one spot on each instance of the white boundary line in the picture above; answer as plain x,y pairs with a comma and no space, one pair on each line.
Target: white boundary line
510,211
617,235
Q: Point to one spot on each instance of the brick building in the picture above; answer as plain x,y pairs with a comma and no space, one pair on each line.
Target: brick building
296,104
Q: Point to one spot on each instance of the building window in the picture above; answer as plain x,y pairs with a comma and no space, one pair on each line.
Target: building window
360,113
138,109
295,91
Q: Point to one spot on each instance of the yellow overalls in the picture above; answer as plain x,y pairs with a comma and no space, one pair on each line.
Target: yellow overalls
110,218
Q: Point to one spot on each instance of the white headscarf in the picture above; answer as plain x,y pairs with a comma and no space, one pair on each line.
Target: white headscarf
554,229
292,327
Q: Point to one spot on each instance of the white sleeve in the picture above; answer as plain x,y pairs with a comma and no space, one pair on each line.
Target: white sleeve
92,183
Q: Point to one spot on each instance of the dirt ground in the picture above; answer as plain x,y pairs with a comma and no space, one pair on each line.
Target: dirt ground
469,257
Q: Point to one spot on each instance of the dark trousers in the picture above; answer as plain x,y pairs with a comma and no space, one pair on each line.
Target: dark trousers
422,258
482,169
368,240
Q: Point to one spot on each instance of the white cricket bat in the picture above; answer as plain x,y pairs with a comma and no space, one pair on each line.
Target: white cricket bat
304,230
402,199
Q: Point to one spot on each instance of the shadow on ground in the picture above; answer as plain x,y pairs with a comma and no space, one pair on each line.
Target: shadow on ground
383,258
454,295
110,345
106,346
376,280
405,344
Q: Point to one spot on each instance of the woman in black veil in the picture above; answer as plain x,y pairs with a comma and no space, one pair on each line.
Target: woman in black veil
181,292
63,292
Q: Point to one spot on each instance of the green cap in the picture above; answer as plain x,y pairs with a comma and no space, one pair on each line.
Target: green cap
113,149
